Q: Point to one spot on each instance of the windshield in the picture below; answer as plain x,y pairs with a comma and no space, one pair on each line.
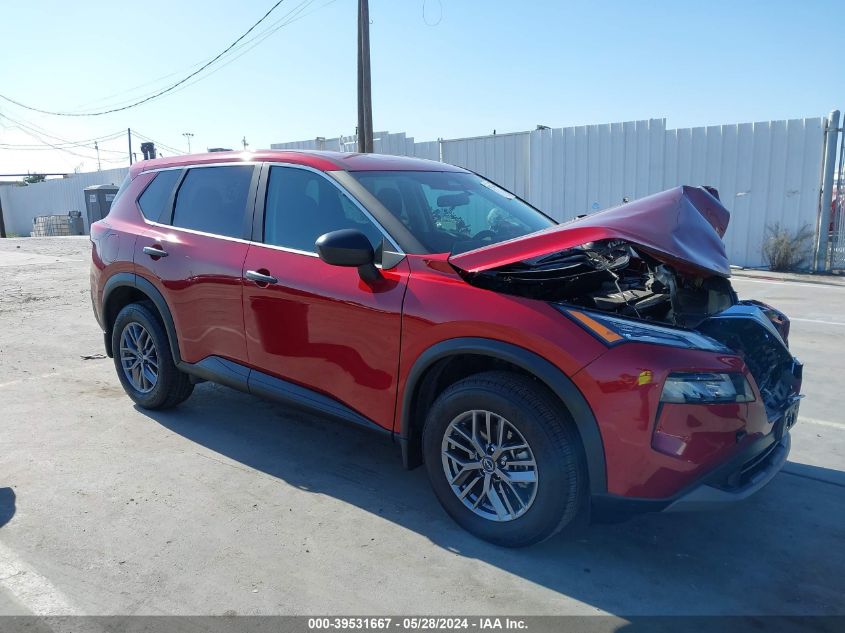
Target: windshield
452,212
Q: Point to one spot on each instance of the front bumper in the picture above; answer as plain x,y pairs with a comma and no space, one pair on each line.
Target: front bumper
745,474
708,496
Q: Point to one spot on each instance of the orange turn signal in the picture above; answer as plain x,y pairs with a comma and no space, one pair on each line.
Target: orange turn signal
603,332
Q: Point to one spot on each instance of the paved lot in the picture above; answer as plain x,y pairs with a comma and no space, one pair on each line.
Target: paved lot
234,505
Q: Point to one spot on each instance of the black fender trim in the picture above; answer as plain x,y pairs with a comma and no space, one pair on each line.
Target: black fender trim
548,374
133,280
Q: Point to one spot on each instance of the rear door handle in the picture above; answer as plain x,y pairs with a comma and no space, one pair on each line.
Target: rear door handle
154,251
261,278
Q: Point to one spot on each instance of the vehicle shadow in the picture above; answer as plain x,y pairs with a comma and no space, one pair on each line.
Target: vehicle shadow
785,546
7,505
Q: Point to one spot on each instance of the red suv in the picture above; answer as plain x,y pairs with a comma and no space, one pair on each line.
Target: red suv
542,372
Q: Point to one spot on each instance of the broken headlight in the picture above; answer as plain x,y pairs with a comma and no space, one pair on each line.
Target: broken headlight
612,330
706,388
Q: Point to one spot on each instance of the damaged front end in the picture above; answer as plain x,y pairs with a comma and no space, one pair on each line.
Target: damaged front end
659,264
616,277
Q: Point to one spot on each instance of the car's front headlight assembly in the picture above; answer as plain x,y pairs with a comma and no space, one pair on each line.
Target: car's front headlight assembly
613,330
706,388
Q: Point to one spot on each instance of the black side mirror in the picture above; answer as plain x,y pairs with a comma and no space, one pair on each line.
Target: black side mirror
349,247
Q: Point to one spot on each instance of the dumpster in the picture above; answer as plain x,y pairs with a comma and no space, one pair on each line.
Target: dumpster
98,199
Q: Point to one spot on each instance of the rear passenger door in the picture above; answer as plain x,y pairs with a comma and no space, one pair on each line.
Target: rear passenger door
193,250
311,324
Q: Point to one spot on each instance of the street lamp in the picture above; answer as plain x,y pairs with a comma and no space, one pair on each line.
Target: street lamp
188,136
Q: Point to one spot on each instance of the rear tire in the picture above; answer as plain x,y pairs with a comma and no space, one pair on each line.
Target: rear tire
143,360
535,491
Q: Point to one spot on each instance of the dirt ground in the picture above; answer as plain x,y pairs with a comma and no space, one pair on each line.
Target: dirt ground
229,504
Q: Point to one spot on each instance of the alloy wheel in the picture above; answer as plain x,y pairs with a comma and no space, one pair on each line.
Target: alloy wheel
489,465
138,357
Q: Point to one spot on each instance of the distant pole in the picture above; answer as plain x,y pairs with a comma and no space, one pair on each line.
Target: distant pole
188,136
826,199
365,100
129,135
244,143
97,147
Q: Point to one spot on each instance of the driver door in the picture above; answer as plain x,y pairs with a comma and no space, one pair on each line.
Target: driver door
312,324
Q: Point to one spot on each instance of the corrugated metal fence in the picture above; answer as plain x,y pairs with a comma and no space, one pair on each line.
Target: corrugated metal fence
52,197
766,173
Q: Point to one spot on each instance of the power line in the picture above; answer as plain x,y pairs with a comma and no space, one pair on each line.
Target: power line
248,45
241,49
440,17
160,92
170,149
62,148
30,128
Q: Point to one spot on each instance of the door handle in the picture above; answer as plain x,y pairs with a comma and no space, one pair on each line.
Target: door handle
261,278
154,251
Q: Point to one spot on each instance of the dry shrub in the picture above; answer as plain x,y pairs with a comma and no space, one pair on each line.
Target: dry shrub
787,250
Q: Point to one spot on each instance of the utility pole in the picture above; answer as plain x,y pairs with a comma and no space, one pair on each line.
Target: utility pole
97,147
365,100
129,135
188,136
244,143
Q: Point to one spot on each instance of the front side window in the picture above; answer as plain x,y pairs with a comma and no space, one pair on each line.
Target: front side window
303,205
452,212
157,194
214,200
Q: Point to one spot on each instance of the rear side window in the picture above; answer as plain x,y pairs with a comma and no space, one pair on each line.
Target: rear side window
213,200
157,194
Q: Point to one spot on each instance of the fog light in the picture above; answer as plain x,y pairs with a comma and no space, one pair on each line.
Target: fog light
706,388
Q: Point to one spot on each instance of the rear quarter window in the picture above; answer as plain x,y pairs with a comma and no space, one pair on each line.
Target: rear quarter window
121,190
156,196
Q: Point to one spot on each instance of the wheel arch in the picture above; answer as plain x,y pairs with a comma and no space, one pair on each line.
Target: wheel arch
431,360
124,288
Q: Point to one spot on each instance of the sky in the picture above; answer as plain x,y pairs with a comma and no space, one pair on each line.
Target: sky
448,68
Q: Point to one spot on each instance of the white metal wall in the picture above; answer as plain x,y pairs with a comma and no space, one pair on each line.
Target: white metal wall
583,169
503,158
52,197
766,172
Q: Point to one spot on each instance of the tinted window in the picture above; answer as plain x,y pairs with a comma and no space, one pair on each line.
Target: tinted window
213,200
302,205
157,195
120,191
452,211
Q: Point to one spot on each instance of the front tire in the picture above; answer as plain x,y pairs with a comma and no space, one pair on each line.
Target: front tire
143,360
519,482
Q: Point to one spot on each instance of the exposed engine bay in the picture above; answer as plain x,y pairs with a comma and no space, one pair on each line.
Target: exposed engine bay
613,276
659,260
616,277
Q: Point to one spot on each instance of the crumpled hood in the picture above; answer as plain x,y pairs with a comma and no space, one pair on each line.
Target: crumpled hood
682,227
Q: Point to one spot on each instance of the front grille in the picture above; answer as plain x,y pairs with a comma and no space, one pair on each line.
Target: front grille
746,472
745,329
755,464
